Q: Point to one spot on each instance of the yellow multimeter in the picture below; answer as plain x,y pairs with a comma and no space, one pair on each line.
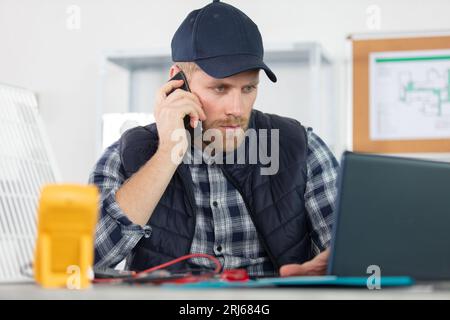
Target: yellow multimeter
64,254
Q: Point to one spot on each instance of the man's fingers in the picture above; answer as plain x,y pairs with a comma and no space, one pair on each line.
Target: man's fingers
168,87
316,266
289,270
201,112
195,97
193,120
194,117
179,93
181,97
306,269
187,104
182,94
194,112
323,256
179,103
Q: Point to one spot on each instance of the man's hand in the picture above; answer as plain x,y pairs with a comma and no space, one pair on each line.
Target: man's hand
170,111
139,196
315,267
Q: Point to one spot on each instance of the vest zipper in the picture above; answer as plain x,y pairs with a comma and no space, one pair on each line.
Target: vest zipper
262,240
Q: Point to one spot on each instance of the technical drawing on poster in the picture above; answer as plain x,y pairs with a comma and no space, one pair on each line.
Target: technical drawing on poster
410,95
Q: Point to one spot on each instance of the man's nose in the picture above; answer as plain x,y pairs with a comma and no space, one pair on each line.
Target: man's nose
235,106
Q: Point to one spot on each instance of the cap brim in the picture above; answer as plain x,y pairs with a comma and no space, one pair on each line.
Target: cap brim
227,66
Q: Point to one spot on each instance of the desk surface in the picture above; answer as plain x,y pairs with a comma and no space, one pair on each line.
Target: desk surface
126,292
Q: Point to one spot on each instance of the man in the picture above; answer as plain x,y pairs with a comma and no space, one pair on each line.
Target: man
156,208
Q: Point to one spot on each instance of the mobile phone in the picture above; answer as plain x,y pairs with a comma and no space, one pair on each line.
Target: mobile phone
181,76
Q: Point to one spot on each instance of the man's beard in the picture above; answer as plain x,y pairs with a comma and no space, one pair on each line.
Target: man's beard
229,122
231,131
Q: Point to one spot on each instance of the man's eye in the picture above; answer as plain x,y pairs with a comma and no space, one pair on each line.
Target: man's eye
248,89
219,89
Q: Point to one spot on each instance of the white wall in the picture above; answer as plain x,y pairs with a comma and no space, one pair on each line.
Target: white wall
39,52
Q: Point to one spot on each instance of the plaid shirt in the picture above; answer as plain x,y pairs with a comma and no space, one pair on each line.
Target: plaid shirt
223,225
224,228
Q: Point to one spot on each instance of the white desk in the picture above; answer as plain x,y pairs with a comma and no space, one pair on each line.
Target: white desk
126,292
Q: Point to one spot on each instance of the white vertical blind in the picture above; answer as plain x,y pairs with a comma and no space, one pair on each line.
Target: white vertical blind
26,164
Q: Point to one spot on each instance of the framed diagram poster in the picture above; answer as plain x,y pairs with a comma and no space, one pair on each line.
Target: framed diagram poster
401,95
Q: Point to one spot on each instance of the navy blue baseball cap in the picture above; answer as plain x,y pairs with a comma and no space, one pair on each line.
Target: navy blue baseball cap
221,40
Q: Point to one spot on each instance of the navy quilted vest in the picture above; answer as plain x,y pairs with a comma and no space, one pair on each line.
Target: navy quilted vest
274,202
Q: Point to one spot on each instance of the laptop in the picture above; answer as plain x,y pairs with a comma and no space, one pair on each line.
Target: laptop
392,213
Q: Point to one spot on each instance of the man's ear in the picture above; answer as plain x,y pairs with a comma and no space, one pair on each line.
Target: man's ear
174,69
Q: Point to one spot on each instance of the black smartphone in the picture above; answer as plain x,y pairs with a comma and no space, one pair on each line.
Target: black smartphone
181,76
